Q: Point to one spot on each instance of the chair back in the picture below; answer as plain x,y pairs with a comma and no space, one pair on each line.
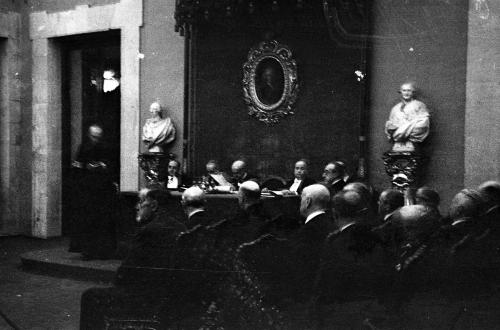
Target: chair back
273,183
267,262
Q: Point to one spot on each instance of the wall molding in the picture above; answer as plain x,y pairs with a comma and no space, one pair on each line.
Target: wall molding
127,16
10,121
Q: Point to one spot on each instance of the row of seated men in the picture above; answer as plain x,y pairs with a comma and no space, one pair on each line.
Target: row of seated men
334,176
343,249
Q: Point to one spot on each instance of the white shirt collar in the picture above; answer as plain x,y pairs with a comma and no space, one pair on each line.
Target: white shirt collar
313,215
346,226
194,212
387,216
456,222
172,182
336,180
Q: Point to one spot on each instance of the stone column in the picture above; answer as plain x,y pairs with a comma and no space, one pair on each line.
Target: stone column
482,108
46,134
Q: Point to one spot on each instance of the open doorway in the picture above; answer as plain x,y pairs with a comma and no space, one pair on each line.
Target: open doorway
90,95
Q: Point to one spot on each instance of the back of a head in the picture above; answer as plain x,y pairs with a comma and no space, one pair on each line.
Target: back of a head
415,223
238,165
347,204
392,199
361,189
162,197
193,197
319,195
340,167
427,196
249,191
468,203
490,190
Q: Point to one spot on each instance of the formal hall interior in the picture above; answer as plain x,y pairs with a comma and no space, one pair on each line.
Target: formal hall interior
249,164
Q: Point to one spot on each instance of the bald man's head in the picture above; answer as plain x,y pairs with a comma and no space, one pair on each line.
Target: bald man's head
95,133
238,168
193,197
347,204
468,203
315,197
414,223
248,194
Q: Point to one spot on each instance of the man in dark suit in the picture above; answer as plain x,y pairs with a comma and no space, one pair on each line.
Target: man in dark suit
389,201
350,260
240,173
154,241
301,179
175,179
143,278
333,177
308,241
193,203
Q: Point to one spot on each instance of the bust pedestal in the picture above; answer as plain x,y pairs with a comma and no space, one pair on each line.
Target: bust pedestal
155,167
403,168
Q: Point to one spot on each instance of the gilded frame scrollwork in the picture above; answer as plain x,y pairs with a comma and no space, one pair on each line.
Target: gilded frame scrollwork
273,103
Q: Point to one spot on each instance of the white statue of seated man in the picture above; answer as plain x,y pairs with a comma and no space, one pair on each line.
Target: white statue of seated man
157,131
408,122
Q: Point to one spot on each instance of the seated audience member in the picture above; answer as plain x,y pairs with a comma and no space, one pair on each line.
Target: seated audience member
428,197
414,230
347,178
175,179
349,264
367,201
248,223
240,173
465,209
465,254
301,179
193,203
490,190
142,280
333,177
389,201
308,241
347,207
154,240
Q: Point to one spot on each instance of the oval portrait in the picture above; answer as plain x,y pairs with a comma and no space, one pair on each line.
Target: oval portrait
269,81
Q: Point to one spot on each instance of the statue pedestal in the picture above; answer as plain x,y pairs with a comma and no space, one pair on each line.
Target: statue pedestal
155,167
403,169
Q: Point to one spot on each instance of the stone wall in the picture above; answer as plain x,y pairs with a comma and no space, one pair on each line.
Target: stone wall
426,43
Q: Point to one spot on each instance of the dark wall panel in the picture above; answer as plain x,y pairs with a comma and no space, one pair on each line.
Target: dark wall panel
325,125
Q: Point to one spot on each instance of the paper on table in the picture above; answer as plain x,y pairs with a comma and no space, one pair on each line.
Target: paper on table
220,179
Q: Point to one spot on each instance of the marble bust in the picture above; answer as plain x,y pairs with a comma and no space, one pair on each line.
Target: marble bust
157,132
408,122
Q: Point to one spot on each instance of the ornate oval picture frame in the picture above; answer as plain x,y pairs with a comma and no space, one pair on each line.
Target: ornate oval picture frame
270,85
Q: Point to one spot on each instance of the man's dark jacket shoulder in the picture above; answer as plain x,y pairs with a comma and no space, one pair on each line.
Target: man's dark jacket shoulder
199,218
153,243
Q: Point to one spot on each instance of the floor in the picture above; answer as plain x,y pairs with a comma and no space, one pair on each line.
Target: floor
30,300
34,301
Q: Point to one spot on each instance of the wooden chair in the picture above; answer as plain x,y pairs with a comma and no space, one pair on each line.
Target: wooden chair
273,183
268,262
